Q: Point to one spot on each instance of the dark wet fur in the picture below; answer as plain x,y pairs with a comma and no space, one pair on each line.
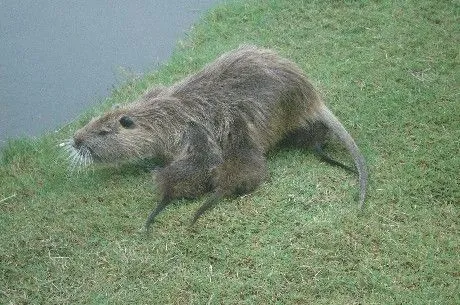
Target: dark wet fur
314,137
243,168
191,175
213,128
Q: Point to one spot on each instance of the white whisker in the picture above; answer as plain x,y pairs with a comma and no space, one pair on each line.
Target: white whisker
77,158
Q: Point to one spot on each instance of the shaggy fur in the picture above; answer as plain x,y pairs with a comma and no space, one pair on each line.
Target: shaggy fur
240,106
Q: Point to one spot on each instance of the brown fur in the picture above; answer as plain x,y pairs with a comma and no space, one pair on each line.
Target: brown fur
242,169
242,105
191,173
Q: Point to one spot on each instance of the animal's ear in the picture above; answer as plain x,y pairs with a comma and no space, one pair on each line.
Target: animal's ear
126,122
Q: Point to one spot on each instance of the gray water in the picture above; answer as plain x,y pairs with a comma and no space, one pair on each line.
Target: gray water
57,58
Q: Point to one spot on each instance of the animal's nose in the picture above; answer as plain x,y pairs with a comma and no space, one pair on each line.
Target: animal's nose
77,142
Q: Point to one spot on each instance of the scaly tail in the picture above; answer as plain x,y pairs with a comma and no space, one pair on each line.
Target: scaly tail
334,125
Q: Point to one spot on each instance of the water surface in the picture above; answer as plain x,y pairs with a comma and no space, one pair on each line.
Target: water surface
57,58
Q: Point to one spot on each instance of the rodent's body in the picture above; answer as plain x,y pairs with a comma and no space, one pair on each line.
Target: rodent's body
252,93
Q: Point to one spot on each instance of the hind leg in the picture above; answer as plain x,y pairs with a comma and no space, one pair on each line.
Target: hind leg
208,205
314,136
319,151
308,136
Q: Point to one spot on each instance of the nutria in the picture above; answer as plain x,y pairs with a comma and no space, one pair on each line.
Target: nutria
212,129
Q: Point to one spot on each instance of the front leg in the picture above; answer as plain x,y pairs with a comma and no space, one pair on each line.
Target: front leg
165,193
243,168
192,174
185,178
160,207
237,175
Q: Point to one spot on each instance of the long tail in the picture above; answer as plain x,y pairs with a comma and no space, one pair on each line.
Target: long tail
330,120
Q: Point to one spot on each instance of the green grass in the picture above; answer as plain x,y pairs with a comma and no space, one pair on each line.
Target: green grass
388,69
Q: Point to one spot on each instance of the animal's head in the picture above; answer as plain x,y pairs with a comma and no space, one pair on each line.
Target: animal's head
118,135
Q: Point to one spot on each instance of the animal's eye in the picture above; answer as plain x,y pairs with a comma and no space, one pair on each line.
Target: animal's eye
103,132
126,122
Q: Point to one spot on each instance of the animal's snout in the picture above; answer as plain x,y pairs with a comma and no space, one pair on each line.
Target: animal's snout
77,141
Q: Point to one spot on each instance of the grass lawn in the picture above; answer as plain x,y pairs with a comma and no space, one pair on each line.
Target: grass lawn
388,69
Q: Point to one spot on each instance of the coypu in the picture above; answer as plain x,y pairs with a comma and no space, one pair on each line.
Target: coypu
212,129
